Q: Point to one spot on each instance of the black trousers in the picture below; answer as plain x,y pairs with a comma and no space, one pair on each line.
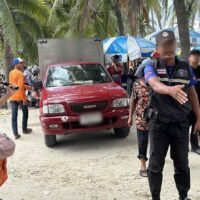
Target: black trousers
193,137
14,107
163,135
142,137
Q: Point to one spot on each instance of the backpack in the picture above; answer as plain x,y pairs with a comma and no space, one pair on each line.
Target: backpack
7,147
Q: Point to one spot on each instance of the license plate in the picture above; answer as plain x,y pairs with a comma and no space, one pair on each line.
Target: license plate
91,119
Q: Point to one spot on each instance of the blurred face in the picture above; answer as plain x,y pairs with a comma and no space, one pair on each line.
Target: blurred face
194,59
116,61
20,66
167,51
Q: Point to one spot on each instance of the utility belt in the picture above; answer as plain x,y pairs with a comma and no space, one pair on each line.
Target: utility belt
149,113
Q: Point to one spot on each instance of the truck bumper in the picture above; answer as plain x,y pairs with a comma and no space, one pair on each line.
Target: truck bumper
59,125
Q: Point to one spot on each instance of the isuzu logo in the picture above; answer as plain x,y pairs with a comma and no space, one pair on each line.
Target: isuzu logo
89,106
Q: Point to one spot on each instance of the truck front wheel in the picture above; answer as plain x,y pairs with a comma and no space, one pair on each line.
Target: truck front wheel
50,140
122,132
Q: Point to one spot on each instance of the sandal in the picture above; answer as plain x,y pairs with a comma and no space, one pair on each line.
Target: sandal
143,173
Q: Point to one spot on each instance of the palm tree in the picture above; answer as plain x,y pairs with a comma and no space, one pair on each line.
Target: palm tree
182,13
139,14
21,23
83,18
183,27
193,8
118,13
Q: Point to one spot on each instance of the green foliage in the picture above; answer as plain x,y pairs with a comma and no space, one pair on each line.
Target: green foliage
8,25
23,22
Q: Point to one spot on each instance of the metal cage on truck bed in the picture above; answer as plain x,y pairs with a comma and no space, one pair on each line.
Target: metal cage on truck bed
54,51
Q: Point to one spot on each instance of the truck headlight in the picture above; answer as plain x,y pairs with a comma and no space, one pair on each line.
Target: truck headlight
53,109
122,102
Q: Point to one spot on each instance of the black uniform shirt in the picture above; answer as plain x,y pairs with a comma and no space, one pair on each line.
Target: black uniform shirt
197,75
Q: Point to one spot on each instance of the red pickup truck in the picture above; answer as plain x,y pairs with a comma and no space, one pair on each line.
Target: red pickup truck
80,97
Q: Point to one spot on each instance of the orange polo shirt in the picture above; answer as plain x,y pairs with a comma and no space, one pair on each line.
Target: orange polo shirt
16,77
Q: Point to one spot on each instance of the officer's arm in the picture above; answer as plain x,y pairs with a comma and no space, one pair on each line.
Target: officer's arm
194,102
158,87
175,91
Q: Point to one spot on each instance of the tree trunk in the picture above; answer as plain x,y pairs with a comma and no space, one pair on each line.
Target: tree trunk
183,27
118,14
8,57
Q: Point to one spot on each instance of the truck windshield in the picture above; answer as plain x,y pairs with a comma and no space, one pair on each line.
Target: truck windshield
76,75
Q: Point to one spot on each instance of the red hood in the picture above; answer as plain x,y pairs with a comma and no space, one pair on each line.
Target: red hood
81,93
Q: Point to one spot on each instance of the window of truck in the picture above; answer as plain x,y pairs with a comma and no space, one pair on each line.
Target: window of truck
76,75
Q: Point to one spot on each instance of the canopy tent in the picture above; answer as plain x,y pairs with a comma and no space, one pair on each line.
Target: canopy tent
127,46
197,47
194,36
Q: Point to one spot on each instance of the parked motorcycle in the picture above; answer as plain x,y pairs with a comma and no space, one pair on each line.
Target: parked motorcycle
3,90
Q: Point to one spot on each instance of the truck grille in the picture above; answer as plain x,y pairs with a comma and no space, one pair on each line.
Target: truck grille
88,107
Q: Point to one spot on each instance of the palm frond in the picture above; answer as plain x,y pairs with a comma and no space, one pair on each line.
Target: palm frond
28,44
74,17
28,22
33,7
85,14
61,31
7,24
56,5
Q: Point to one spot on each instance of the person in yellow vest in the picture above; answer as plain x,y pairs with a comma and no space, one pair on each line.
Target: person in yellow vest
19,99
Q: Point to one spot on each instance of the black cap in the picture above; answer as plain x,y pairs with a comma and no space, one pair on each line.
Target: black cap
195,52
165,37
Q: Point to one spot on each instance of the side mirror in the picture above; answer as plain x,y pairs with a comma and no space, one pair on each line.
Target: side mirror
38,85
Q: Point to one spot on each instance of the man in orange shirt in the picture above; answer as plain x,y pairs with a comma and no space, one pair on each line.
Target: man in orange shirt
16,77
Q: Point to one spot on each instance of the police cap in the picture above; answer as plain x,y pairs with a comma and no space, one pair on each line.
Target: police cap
195,52
165,37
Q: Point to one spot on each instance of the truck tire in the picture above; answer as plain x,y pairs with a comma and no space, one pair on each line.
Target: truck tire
50,140
122,132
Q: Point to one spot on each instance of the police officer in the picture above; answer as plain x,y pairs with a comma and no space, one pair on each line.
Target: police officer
172,97
194,63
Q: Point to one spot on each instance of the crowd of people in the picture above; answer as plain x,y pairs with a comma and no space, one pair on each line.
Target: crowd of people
165,98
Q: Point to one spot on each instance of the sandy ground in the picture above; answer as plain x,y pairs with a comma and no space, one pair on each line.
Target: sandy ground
94,166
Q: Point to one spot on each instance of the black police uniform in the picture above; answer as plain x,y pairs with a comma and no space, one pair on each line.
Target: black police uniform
194,137
169,126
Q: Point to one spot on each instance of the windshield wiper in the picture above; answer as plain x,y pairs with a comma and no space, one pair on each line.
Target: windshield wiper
102,82
83,82
75,84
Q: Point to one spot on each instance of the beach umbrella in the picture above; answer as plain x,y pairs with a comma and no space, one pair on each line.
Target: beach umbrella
127,46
